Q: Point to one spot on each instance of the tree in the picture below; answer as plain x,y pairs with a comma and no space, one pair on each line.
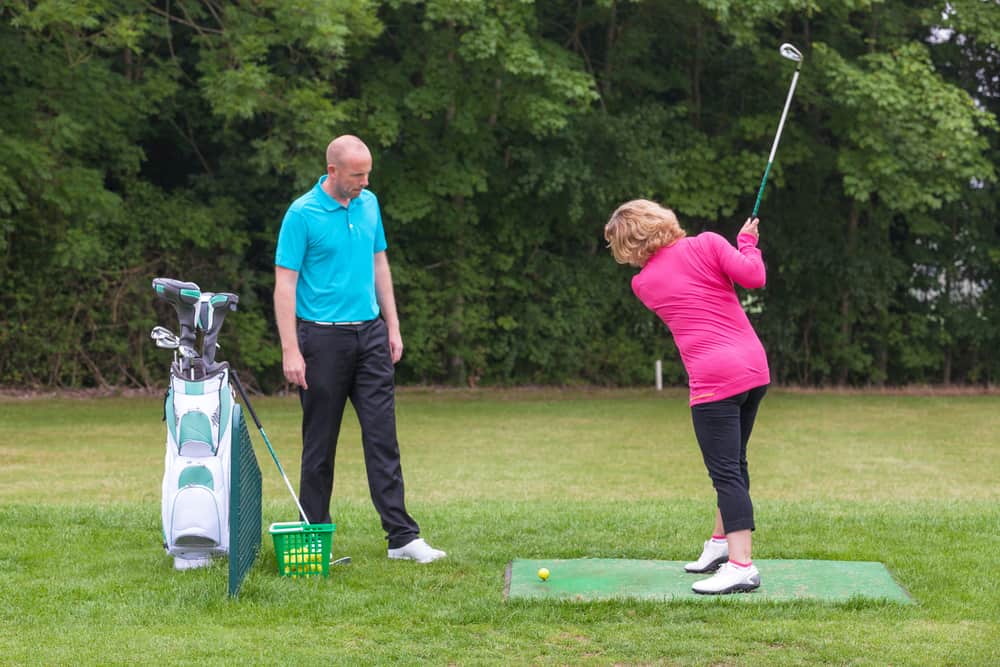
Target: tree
167,138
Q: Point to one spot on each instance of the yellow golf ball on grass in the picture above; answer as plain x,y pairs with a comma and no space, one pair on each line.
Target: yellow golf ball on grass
543,573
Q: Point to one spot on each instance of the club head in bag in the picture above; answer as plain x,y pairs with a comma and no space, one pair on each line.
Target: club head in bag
165,338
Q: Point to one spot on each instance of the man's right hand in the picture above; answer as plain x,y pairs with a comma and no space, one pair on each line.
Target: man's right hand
294,367
292,363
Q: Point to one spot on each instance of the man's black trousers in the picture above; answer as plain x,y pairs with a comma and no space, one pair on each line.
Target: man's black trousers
351,362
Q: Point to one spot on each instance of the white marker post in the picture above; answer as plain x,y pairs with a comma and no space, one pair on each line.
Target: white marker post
659,375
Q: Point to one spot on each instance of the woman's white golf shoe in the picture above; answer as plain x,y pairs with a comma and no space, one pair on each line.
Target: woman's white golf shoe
729,579
712,556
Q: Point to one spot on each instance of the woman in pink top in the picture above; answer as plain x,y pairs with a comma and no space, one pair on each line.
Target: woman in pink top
688,283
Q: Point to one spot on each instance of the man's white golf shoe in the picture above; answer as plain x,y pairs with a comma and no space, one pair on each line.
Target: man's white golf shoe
712,556
417,550
729,579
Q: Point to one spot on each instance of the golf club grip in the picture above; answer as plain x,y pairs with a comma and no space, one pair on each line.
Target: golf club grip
760,191
260,427
243,395
274,457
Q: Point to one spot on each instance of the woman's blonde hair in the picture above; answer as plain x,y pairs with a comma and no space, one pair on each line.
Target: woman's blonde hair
638,228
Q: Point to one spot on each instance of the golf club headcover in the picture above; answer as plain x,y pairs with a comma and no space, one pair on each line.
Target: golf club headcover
184,298
212,309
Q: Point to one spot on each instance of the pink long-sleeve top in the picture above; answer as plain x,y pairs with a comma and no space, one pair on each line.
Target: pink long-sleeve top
689,285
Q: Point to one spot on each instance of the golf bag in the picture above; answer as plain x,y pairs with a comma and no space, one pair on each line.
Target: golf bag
202,418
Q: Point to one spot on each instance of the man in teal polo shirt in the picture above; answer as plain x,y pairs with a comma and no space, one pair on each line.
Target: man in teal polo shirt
332,281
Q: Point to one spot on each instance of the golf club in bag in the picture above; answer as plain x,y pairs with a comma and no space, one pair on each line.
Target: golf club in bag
793,54
202,418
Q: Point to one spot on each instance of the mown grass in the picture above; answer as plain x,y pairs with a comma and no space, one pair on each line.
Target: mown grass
911,481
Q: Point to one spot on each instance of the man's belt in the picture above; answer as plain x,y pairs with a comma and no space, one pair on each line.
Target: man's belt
337,324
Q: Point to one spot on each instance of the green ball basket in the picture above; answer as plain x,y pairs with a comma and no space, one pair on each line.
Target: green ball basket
303,549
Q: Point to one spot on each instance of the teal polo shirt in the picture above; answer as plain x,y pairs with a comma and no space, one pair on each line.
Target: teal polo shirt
332,247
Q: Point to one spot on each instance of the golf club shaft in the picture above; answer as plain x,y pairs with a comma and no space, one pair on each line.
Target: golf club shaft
774,146
253,414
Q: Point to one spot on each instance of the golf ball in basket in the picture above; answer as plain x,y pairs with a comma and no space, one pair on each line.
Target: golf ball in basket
543,573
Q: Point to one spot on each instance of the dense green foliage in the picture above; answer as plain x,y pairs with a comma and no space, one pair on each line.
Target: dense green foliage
167,138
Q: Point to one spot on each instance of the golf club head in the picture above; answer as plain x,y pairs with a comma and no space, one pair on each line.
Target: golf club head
164,337
159,333
790,52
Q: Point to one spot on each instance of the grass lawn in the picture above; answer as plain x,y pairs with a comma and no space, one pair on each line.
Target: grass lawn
910,481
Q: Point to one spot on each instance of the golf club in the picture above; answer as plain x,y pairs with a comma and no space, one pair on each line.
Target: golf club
793,54
246,402
164,337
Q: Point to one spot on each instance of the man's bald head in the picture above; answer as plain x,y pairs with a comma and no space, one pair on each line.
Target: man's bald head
346,147
348,164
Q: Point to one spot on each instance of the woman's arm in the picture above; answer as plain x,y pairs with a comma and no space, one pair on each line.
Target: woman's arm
744,265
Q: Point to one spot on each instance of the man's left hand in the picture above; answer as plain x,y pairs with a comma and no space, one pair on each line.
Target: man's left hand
395,345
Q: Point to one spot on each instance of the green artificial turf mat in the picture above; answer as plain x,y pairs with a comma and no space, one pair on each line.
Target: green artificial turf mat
610,578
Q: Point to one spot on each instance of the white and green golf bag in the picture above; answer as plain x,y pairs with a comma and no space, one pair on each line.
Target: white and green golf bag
201,417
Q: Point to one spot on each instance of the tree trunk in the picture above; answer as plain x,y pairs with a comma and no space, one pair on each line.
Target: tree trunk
612,30
457,374
457,371
949,279
696,69
845,298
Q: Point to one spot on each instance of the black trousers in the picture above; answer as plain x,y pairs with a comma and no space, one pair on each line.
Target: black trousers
352,362
723,431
